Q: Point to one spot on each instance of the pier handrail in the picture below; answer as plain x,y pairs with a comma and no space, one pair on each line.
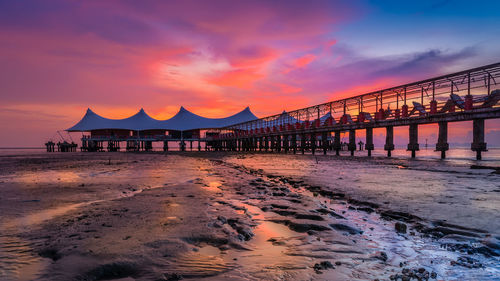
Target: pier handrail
437,89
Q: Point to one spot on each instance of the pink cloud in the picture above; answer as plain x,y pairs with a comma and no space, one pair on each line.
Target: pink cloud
214,57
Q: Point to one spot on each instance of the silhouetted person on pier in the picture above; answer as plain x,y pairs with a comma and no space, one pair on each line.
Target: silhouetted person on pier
361,145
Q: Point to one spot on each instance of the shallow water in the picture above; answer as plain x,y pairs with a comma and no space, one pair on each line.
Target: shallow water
276,251
17,259
281,250
433,189
26,205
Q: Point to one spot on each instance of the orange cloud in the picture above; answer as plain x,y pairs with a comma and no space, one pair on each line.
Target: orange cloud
300,62
331,43
304,60
238,78
288,89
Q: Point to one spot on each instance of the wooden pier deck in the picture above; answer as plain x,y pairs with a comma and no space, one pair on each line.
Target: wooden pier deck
469,95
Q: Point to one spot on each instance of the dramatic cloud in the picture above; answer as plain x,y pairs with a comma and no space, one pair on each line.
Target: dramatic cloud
214,57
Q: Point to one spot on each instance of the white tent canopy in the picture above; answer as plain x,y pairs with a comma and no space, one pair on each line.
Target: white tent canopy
184,120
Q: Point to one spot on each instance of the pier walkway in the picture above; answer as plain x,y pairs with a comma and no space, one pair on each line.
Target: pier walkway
469,95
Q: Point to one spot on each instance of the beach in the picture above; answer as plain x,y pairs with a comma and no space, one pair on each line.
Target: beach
253,216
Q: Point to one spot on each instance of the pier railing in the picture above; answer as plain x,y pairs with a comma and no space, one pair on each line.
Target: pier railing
461,91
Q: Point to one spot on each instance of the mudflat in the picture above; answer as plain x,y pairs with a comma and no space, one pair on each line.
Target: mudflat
223,216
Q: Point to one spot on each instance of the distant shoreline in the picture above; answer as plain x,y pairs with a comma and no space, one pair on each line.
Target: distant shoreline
377,147
22,147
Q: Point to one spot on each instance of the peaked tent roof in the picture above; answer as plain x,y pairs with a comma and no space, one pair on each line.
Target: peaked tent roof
186,120
93,120
139,121
182,121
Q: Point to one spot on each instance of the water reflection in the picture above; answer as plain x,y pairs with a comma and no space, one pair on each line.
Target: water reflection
213,186
17,259
433,189
267,250
17,262
55,176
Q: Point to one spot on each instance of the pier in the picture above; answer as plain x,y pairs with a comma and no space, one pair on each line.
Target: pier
469,95
98,143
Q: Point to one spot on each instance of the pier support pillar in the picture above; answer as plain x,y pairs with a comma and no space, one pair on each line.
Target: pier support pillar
336,143
389,140
369,141
266,143
442,144
294,143
324,142
165,145
352,141
313,143
413,143
478,145
303,143
286,143
278,143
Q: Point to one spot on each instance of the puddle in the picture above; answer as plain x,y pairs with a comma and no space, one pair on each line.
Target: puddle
266,250
213,186
209,250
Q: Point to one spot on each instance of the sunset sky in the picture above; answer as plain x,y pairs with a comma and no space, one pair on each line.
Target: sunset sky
57,58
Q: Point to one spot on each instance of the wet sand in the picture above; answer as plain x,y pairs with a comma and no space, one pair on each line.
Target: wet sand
125,216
